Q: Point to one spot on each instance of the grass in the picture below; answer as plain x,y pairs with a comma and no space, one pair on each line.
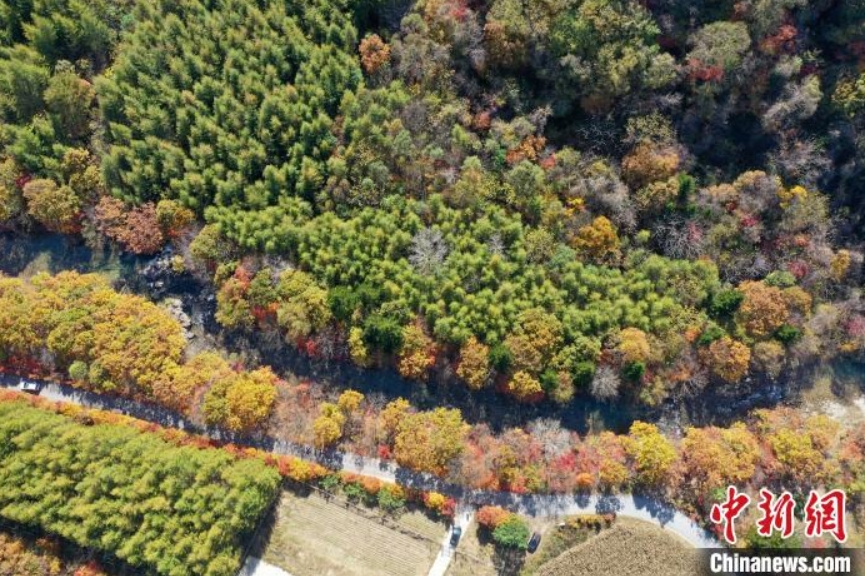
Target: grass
559,539
312,536
629,548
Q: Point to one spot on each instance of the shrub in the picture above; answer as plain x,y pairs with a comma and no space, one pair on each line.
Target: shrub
512,533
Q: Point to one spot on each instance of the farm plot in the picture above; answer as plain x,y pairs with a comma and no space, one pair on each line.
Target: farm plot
629,548
311,536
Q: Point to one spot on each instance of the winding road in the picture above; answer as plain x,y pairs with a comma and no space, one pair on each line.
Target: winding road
536,505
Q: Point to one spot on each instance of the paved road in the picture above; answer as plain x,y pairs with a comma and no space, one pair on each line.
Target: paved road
537,505
257,567
462,518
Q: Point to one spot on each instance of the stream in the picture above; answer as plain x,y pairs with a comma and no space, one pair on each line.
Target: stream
153,277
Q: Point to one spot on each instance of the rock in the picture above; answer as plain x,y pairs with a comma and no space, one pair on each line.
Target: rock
174,306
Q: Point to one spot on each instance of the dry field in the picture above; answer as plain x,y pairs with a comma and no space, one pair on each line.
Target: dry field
311,536
629,548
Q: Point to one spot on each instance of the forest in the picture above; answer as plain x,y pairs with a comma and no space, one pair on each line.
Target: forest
163,509
624,199
633,201
781,447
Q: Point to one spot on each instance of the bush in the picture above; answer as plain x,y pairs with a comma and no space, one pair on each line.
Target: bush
788,334
634,370
512,533
725,303
391,498
501,358
491,516
78,371
383,333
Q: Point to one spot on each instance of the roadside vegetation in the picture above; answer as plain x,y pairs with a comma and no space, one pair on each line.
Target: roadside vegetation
781,447
49,556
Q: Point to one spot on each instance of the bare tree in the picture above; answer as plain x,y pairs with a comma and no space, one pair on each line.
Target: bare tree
800,161
428,251
680,238
496,245
605,384
554,439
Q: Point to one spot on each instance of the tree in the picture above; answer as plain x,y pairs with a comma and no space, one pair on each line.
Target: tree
23,81
512,533
633,345
653,455
69,101
647,163
769,357
11,199
524,387
796,452
374,53
349,401
382,333
535,340
328,426
138,229
57,208
598,241
142,233
357,347
209,247
605,383
417,355
725,303
716,457
718,48
243,401
507,33
491,516
428,251
232,303
430,441
763,309
179,384
303,310
474,364
173,218
728,359
392,415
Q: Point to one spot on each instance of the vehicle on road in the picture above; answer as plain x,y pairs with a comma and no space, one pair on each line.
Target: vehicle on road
30,387
534,542
455,536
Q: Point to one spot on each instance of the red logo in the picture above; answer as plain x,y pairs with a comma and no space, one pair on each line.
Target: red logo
826,514
823,514
728,510
776,514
